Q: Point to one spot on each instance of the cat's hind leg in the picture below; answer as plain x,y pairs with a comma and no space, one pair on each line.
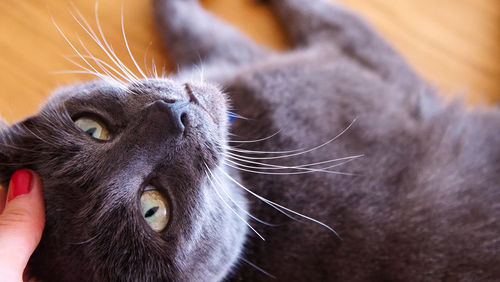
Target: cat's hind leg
193,36
312,22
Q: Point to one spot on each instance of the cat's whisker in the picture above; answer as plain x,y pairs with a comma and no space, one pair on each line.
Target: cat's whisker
6,138
202,74
237,166
110,80
163,71
153,65
221,185
229,148
90,32
76,71
265,166
302,152
37,136
178,68
92,57
278,206
63,119
94,71
191,80
118,61
102,64
128,47
256,140
146,68
227,205
251,161
235,115
200,70
268,203
22,149
86,241
103,46
258,268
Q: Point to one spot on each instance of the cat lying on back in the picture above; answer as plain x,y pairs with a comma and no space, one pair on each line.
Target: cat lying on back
141,183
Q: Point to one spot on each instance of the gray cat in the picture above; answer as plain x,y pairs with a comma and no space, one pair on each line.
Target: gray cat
345,162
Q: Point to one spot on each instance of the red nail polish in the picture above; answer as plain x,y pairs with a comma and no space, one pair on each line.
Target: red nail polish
20,183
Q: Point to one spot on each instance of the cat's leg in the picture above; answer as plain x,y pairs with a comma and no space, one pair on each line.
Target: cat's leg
311,22
193,36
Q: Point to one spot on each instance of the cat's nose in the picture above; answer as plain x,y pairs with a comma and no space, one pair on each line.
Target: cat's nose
177,113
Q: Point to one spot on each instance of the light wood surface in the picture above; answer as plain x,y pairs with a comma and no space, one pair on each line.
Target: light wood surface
454,44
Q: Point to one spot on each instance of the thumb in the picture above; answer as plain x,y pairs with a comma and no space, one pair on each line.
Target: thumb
21,224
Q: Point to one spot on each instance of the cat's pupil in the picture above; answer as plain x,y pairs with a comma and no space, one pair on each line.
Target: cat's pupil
91,131
151,212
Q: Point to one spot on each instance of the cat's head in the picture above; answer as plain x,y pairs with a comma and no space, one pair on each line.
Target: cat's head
125,182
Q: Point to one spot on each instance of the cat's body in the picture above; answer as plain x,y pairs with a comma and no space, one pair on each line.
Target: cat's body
422,204
419,199
414,208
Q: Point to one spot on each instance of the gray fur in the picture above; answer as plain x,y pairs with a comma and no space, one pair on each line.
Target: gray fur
422,205
3,124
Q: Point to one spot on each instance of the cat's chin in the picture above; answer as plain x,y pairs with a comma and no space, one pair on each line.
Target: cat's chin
217,239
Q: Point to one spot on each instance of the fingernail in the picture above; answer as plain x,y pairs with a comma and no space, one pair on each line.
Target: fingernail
20,183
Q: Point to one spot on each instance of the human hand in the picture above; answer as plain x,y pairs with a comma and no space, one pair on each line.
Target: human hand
22,218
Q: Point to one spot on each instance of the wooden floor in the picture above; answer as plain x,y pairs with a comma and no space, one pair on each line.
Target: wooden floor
454,44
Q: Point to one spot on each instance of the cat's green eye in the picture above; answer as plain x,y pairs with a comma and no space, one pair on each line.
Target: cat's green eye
93,128
154,208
